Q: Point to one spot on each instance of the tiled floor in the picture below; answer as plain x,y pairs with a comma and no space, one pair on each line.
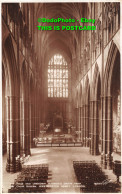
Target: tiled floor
60,159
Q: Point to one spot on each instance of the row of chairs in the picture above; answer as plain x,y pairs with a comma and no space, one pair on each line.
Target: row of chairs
92,178
32,179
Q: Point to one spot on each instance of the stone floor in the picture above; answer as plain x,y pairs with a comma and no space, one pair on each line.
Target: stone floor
60,159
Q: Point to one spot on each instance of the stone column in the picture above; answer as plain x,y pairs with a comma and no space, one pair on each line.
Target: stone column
13,132
102,100
29,120
82,124
110,133
92,127
79,122
38,127
76,112
38,106
28,104
39,119
89,120
32,131
35,119
104,121
96,132
25,129
87,125
76,121
30,123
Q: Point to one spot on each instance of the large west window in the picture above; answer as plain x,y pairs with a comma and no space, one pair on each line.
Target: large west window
57,77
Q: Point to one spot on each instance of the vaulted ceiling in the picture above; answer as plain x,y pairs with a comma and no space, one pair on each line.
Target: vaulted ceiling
59,41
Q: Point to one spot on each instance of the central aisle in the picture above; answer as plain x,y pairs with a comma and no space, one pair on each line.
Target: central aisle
62,178
60,161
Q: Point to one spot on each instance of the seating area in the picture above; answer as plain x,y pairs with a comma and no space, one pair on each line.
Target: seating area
92,178
32,179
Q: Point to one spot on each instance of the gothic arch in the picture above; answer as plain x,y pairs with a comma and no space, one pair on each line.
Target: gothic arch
96,112
12,79
5,74
109,68
13,70
111,80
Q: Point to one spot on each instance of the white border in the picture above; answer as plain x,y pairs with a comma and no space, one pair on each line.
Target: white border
51,1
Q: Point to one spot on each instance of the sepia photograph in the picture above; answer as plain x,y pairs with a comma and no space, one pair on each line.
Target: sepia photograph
61,97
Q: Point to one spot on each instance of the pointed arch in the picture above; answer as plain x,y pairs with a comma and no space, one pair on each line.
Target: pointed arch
111,82
112,54
12,68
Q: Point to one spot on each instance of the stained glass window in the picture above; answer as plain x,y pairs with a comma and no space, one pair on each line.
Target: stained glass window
57,77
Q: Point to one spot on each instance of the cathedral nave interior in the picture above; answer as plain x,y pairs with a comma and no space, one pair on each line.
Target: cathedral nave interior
61,98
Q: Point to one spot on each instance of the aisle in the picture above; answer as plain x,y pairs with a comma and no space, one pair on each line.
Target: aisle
62,178
60,160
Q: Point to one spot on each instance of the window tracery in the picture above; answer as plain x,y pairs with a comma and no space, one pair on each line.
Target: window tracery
58,77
